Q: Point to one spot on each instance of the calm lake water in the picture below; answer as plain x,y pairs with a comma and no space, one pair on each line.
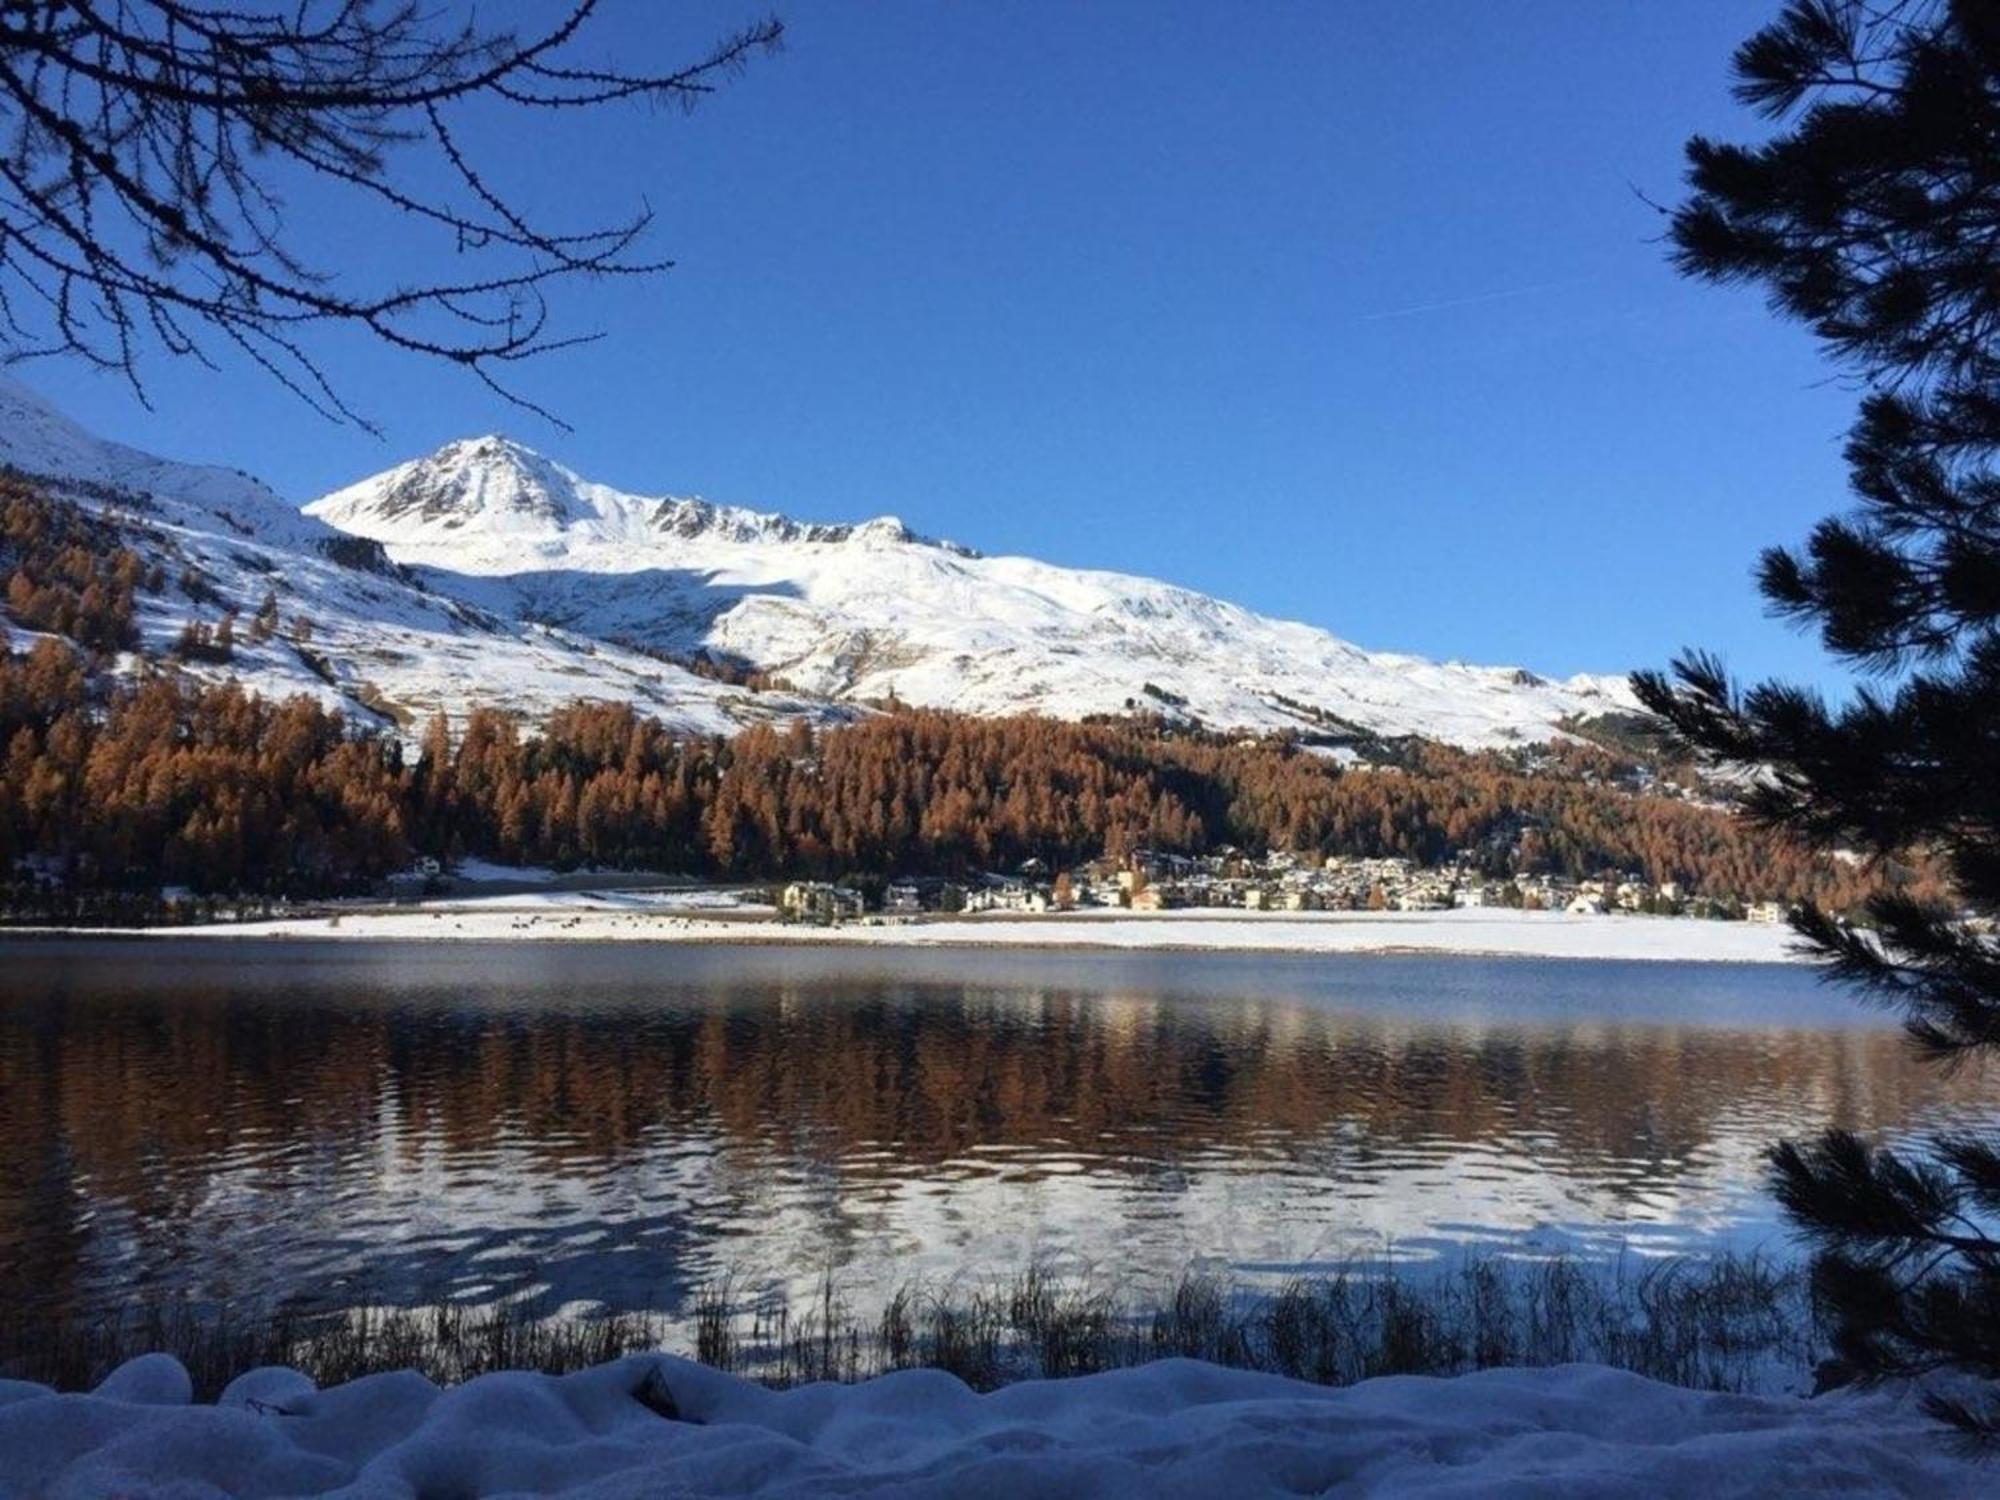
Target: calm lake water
612,1125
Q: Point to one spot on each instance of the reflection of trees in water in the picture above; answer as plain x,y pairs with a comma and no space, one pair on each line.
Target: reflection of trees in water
145,1103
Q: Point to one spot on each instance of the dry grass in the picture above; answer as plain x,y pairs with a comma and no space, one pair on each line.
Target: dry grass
449,1342
1724,1323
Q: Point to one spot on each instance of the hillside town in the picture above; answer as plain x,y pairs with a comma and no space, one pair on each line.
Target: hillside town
1155,881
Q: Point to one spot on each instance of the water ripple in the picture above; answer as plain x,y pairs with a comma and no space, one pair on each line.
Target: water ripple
386,1126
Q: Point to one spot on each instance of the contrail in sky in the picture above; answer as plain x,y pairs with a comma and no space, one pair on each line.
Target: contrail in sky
1431,307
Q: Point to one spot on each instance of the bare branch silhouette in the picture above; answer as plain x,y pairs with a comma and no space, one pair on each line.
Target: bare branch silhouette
141,205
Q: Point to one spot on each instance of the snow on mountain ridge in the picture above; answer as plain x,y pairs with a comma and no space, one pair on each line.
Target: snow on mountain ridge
38,440
489,487
362,637
475,500
871,611
523,585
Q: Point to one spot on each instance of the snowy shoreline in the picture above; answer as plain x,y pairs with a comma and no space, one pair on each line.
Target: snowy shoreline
698,917
659,1425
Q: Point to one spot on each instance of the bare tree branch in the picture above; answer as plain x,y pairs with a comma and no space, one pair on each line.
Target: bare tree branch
147,142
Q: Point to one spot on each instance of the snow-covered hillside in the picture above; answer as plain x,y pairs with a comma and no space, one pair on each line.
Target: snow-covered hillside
357,631
872,611
486,573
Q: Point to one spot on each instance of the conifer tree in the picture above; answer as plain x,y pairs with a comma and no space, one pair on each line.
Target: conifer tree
1873,217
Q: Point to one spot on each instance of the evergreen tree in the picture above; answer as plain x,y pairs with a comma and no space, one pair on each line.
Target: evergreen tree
1873,217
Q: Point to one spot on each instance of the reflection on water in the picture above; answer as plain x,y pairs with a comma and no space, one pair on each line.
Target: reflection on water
611,1125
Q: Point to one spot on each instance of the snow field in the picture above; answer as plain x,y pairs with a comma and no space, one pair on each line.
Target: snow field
661,1426
694,917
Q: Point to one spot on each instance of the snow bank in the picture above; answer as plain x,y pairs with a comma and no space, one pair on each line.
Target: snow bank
475,869
659,1426
667,917
571,902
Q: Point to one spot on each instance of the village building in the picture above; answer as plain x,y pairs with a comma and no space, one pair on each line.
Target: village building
912,895
814,901
1153,880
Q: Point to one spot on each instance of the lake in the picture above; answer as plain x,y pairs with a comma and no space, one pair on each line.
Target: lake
337,1124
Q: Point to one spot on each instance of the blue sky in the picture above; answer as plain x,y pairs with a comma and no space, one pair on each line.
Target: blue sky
1349,312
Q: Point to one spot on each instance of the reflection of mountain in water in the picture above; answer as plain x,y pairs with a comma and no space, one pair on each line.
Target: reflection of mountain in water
613,1129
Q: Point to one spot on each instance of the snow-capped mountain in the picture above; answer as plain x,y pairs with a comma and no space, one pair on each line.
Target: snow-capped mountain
487,573
358,632
872,611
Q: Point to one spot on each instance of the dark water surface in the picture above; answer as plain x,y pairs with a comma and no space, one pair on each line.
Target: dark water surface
347,1123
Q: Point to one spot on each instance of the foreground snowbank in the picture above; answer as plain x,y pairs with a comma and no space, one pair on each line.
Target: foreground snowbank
661,1426
705,917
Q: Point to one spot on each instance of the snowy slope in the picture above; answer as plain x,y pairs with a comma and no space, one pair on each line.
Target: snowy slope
379,642
872,611
486,573
1175,1430
37,439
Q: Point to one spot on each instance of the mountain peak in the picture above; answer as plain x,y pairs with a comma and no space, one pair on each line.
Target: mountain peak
491,481
490,448
884,529
493,490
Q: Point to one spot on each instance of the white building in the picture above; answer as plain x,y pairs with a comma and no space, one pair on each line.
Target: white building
813,901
